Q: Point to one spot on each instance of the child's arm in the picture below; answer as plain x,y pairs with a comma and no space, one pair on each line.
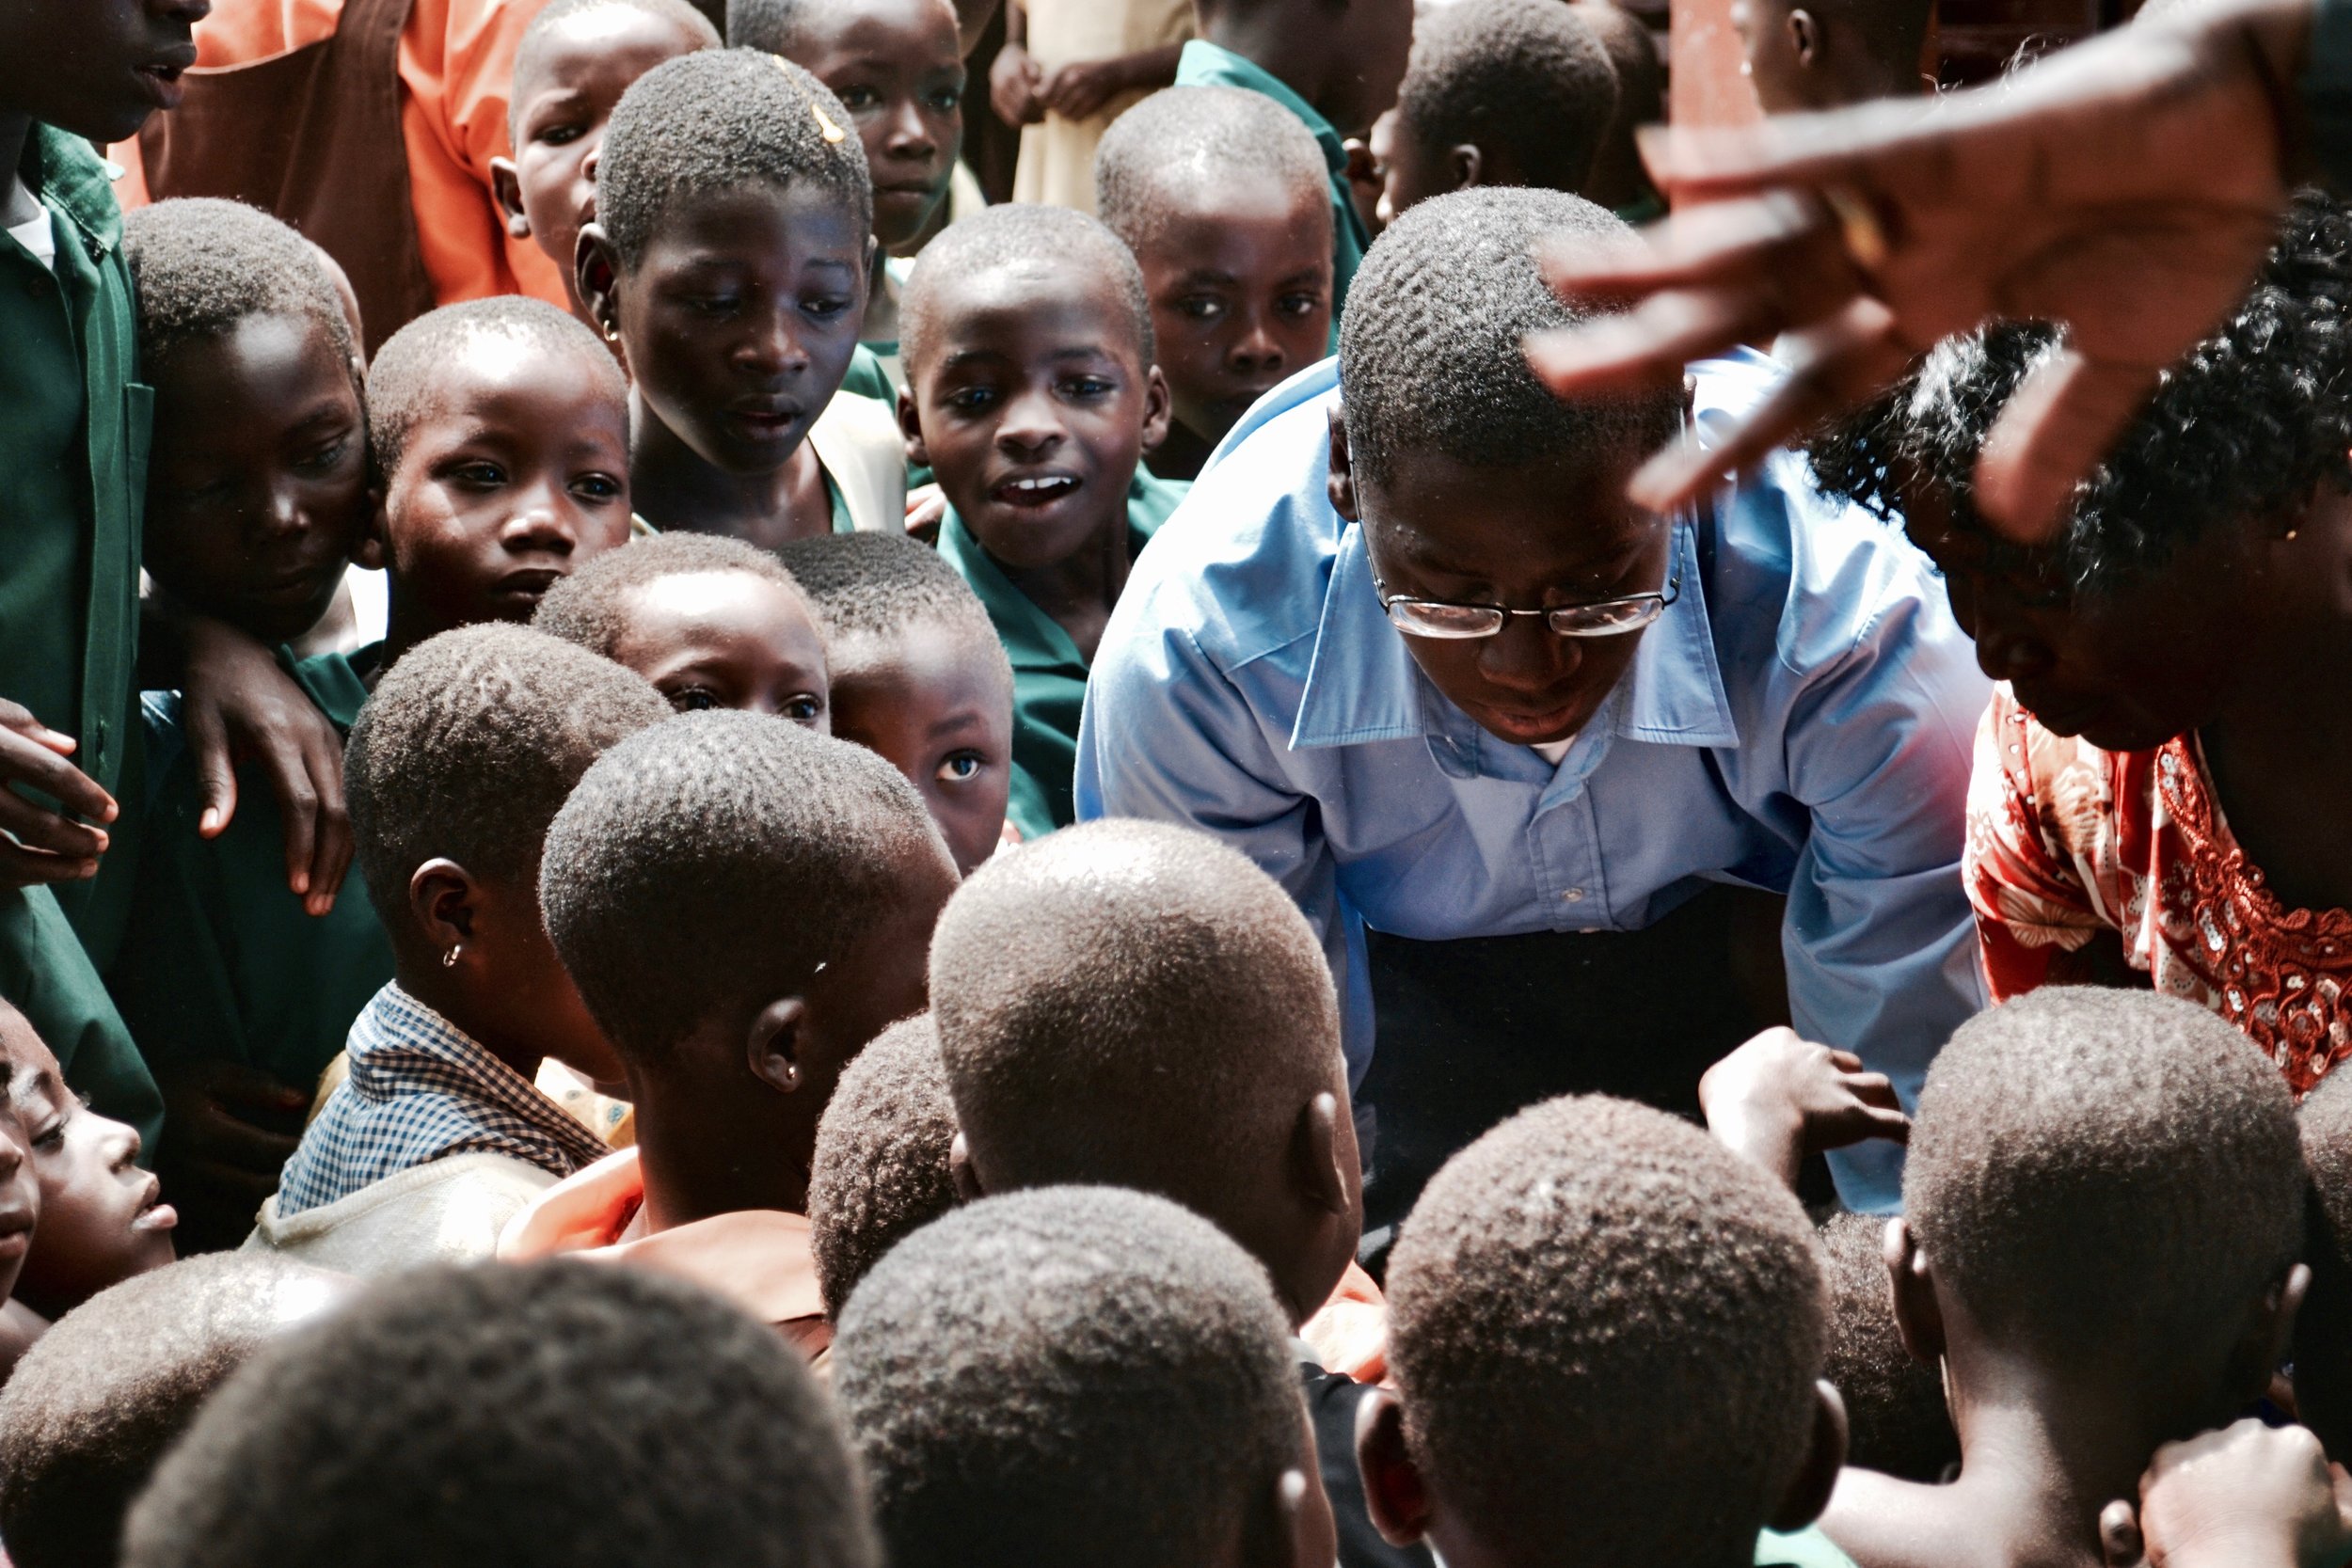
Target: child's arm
1780,1098
1015,79
39,846
2249,1496
1079,90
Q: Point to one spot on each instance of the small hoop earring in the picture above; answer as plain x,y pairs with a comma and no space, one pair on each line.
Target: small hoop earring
612,333
791,1075
449,960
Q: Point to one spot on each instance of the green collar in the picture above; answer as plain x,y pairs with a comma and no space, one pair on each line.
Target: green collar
1032,638
66,174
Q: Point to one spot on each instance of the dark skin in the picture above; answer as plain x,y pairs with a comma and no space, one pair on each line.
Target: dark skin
20,1184
1033,404
98,70
1240,286
2232,639
1413,167
1408,1506
2047,1441
580,67
1617,179
729,639
940,711
1800,60
516,472
1345,57
727,1121
737,324
256,487
1441,529
1022,90
103,1219
898,67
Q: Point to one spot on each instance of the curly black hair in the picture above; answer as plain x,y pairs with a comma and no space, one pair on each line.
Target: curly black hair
1896,1417
1528,77
1019,235
881,1170
529,1415
201,265
2240,434
715,120
406,383
591,607
1180,139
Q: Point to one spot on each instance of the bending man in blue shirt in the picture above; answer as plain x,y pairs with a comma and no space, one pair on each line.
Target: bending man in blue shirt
1408,647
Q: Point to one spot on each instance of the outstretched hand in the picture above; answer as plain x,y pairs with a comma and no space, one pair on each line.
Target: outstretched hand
2128,188
2246,1496
1781,1098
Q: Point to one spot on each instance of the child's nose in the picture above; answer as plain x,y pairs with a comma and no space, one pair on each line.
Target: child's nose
1257,351
122,1146
544,523
773,347
910,137
1031,423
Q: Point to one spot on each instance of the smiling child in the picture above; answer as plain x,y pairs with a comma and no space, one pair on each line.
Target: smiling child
728,259
1034,396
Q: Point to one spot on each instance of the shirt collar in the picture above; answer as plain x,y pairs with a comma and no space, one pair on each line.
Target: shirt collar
1206,64
1364,686
1032,638
65,173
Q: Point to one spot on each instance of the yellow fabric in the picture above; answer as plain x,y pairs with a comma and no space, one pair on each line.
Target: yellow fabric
857,440
1057,164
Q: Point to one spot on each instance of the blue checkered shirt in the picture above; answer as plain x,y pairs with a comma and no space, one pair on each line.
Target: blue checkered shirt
422,1089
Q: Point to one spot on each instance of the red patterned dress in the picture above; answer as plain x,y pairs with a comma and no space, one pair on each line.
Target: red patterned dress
2066,841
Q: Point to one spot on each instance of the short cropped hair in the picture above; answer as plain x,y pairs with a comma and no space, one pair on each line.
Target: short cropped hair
1528,77
2323,1328
93,1405
199,266
881,1170
1895,1418
1129,1002
404,380
717,120
784,26
2243,429
693,23
1632,59
1014,236
1221,138
699,861
470,744
1605,1329
589,607
2173,1139
1080,1376
556,1414
880,584
1432,348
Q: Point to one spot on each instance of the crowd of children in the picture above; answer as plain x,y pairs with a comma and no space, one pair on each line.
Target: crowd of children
899,753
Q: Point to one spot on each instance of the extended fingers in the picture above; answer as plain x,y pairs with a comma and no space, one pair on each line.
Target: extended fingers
2063,419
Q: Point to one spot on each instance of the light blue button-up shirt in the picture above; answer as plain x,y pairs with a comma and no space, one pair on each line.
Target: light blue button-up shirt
1800,720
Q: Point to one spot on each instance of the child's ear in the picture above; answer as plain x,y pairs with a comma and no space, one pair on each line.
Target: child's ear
597,274
773,1046
1341,484
444,901
961,1172
507,189
375,547
2269,1331
1394,1492
1805,38
911,426
1159,409
1825,1455
1468,164
1315,1155
1910,1286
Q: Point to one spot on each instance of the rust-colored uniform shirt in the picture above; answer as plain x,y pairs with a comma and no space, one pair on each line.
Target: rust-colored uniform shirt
456,62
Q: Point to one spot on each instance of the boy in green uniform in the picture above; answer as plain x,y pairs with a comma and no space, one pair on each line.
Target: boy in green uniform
1033,395
1333,63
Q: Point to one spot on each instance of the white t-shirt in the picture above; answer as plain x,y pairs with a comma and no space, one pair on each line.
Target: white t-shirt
1553,751
34,234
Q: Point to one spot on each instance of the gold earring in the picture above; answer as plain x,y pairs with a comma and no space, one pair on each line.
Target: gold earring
449,960
612,333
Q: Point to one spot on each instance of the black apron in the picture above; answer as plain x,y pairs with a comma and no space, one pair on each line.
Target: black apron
313,137
1471,1030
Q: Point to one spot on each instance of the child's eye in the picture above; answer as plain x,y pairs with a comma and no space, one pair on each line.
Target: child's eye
962,767
803,708
971,400
326,456
596,487
825,307
1298,305
949,99
51,1137
693,699
487,475
1200,308
854,99
558,135
713,304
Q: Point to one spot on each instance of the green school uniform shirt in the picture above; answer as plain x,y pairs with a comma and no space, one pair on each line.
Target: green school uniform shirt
1804,1548
1203,64
220,962
867,379
1049,674
74,423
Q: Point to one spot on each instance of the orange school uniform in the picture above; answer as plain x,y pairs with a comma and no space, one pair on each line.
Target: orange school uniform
759,1258
454,59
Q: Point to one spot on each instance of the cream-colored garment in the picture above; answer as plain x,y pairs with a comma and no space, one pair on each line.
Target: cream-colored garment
1057,164
858,440
447,1211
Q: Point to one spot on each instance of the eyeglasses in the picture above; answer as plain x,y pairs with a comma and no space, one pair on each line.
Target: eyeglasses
1456,623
